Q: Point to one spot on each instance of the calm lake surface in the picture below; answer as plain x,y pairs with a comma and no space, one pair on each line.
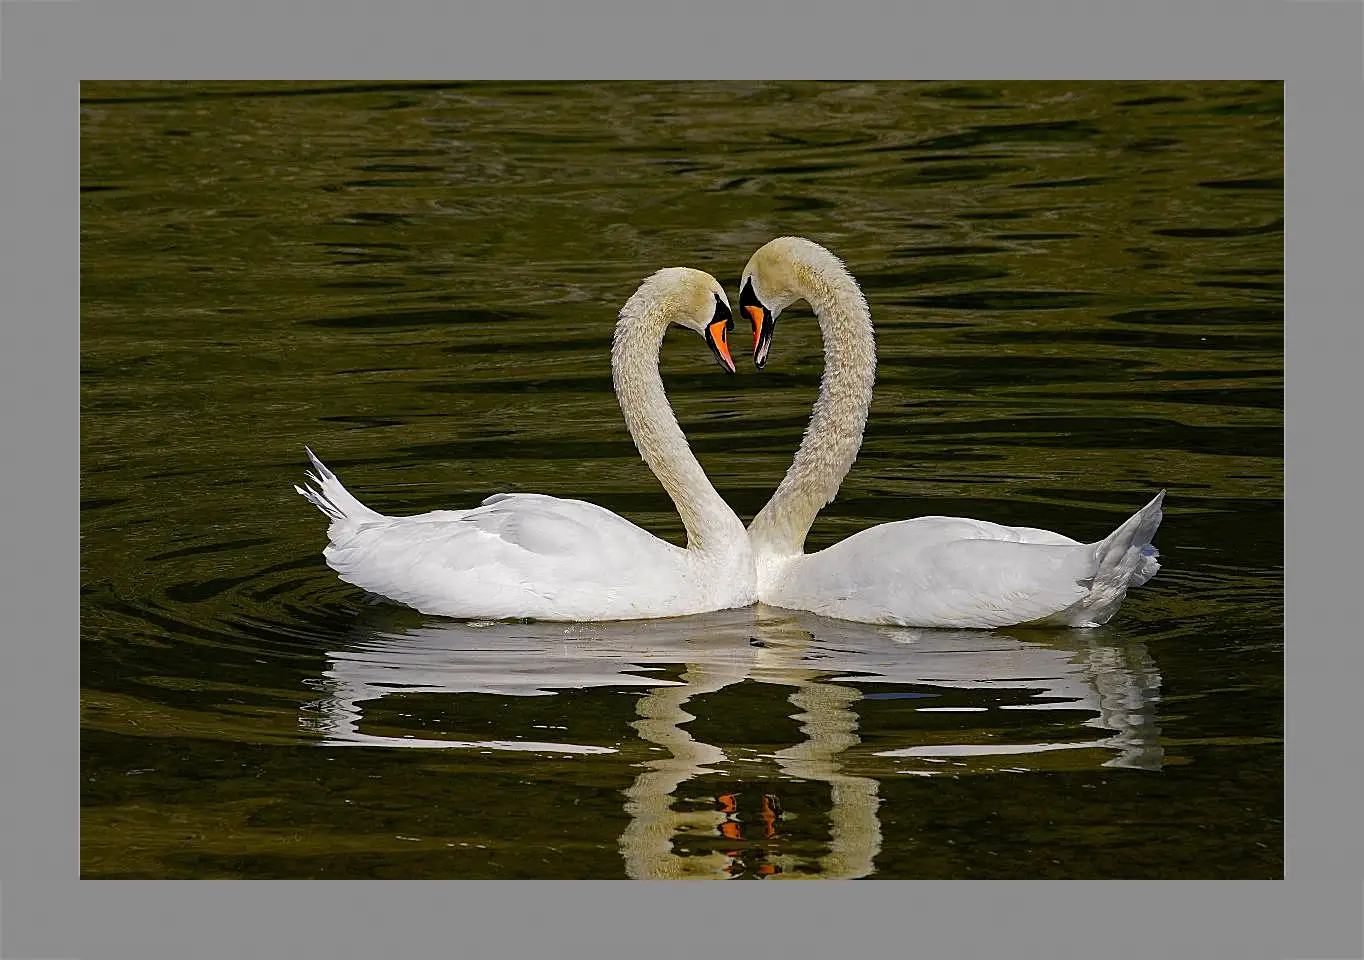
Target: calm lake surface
1078,295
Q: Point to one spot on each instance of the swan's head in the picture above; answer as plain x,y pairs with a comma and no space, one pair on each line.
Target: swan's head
773,281
695,300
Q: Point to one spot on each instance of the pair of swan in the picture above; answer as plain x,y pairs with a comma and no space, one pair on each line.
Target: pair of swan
540,557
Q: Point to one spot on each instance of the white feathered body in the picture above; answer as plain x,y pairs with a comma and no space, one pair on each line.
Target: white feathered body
524,555
958,573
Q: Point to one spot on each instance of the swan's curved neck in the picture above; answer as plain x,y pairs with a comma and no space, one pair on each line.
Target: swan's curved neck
834,435
710,523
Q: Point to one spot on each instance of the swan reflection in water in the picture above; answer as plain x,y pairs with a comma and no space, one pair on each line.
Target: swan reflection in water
825,662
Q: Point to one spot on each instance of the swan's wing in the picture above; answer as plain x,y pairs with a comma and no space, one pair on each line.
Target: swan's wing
516,555
1027,535
944,571
937,530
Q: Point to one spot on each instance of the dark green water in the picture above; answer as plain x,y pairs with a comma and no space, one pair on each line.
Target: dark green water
1078,294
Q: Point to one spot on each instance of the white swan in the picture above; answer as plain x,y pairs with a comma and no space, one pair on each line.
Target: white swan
524,555
926,572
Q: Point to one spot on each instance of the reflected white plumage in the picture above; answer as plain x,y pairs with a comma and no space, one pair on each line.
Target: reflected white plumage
925,572
534,556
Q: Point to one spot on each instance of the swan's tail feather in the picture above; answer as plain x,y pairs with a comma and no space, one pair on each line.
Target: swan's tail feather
320,501
328,495
1126,558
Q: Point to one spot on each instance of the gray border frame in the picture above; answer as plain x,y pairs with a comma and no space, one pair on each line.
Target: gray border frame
1314,45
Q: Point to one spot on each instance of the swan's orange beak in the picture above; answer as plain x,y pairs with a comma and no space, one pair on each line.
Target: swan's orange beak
755,316
717,337
762,321
717,334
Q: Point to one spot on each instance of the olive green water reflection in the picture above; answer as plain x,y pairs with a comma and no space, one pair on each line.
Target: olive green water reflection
1078,296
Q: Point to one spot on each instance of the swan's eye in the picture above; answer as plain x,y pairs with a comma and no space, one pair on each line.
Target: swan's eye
721,311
